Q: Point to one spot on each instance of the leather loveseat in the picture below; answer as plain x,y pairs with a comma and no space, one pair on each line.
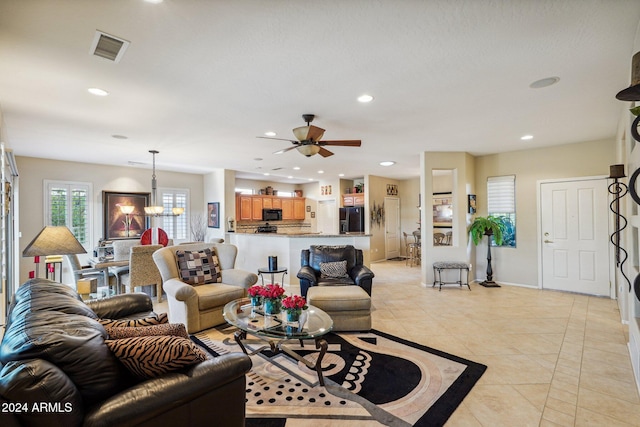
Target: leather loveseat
310,273
57,370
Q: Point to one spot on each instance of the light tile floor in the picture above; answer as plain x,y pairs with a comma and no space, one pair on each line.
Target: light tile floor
554,358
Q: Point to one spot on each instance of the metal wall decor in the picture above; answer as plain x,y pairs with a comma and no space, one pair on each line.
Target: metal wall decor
618,190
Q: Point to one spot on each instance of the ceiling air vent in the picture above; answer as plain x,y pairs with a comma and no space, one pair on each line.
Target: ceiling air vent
109,47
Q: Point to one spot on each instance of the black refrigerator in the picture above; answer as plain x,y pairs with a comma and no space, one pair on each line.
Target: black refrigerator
351,220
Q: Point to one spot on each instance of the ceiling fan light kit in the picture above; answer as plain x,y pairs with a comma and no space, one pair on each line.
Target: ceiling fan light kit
308,140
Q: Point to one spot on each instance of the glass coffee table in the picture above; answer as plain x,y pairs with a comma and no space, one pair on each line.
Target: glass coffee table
276,331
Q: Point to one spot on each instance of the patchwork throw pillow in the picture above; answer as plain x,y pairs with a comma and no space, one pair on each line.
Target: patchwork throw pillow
334,270
150,357
199,268
175,329
145,321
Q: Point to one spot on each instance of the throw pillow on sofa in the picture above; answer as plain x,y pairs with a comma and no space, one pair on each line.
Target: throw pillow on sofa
146,321
150,357
175,329
335,270
199,267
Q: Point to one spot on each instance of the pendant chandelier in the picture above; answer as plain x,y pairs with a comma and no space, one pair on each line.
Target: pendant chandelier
155,209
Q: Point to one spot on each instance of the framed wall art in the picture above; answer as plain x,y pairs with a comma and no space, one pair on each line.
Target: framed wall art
117,225
442,210
471,203
213,214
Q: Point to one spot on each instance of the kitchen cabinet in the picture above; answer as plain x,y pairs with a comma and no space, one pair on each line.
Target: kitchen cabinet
287,209
256,208
298,208
244,208
356,199
249,208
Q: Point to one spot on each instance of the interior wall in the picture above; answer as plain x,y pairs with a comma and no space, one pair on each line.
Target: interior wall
519,265
409,193
33,172
375,191
463,167
257,185
214,191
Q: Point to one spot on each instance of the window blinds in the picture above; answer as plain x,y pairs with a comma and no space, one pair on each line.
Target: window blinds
501,194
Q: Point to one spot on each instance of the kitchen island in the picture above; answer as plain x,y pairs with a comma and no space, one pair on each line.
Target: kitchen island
255,248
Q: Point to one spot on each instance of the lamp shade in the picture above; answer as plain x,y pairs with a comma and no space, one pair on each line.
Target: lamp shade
616,171
308,150
54,240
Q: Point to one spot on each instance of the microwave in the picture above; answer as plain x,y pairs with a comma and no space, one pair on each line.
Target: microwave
272,214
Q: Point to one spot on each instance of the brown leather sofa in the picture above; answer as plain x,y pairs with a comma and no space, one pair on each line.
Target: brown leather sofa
56,369
310,260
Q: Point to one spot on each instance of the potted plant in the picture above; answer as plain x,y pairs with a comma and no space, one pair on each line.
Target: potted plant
492,226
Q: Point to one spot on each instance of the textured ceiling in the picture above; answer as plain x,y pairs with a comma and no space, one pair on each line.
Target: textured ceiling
202,79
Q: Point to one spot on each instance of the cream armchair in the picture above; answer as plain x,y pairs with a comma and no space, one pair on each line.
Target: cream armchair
200,307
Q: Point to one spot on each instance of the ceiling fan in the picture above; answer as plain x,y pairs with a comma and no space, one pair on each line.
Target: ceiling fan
309,140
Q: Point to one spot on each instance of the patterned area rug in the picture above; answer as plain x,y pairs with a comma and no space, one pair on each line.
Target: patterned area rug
371,378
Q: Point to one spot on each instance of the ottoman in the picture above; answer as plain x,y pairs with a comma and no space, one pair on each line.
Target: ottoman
349,306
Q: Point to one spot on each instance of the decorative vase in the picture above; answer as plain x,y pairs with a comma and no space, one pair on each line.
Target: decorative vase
256,301
272,306
293,315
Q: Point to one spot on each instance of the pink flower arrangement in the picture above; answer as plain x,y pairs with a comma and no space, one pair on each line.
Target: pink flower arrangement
272,291
294,303
255,291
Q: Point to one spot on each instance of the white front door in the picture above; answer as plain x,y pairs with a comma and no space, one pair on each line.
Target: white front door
392,227
575,236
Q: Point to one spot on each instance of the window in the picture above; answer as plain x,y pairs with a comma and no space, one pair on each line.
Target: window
177,227
501,202
68,204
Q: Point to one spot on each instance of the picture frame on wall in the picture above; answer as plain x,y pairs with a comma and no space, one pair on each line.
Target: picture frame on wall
213,214
115,222
442,210
471,203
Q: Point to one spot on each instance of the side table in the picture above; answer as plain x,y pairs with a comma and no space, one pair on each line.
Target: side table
265,270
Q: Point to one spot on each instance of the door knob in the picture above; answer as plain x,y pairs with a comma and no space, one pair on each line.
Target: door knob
548,241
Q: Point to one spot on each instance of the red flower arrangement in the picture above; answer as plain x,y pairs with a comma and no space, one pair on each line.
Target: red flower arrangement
294,303
272,291
255,291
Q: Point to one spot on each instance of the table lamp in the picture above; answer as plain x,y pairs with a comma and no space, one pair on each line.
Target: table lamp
53,240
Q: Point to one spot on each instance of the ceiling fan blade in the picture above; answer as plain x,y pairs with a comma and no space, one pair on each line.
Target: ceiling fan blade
324,152
279,139
284,150
344,143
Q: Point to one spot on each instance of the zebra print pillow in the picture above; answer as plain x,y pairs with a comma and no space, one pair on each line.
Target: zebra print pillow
146,321
176,329
150,357
199,268
335,270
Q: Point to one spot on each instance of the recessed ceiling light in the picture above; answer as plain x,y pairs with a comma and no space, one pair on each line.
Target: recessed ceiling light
387,163
154,1
296,168
97,91
320,171
257,159
270,133
309,179
266,174
119,136
538,84
365,98
290,177
526,137
340,174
